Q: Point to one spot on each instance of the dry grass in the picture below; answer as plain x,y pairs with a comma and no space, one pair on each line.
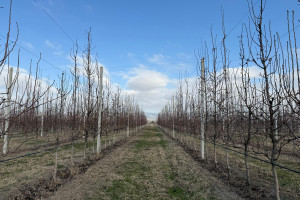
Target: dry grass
150,166
261,175
29,169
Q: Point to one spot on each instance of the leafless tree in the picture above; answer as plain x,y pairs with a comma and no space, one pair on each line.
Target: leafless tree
89,90
266,55
247,94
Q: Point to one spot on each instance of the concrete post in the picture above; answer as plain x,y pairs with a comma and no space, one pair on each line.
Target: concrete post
100,111
7,111
42,122
202,106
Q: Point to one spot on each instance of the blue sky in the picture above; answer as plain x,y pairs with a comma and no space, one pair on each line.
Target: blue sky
143,44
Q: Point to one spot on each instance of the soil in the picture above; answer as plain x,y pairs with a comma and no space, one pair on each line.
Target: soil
147,166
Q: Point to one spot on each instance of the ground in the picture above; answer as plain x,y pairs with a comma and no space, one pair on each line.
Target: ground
147,166
33,172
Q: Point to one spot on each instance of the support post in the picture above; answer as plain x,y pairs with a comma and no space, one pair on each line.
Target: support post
202,106
100,111
7,111
42,121
173,115
129,109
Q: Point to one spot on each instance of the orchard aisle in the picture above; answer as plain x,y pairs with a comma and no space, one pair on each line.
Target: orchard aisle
148,166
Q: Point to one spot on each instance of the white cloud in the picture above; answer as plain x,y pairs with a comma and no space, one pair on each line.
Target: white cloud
147,80
82,72
130,54
151,89
56,47
254,72
23,78
183,55
158,59
27,45
152,101
50,44
59,53
173,44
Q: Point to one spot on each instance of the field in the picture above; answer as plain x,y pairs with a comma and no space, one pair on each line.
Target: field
132,100
150,164
260,172
28,170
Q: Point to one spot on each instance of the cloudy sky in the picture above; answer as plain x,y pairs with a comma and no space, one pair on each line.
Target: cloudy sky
143,44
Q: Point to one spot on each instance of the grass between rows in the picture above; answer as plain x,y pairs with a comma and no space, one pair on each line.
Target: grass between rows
136,174
134,171
260,172
34,166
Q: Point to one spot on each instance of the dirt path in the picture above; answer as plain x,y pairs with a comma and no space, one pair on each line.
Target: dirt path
148,166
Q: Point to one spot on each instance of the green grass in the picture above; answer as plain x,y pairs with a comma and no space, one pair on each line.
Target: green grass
147,135
142,144
177,193
78,145
34,142
16,162
50,163
118,188
147,142
40,155
60,166
170,176
131,171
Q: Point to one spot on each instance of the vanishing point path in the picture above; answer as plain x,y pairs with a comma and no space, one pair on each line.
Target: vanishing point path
148,166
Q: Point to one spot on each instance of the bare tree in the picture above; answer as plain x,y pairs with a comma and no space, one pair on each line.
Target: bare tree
74,114
267,57
227,93
89,87
247,95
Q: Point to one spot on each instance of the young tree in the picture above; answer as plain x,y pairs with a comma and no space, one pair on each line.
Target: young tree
266,56
74,114
89,90
247,95
227,95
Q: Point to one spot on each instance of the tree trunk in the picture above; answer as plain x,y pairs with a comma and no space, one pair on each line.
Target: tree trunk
276,184
72,153
227,162
55,166
247,168
215,152
93,149
84,150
